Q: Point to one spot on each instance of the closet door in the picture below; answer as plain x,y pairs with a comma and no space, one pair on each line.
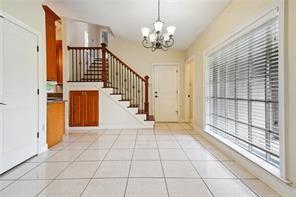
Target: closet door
18,94
77,101
91,108
84,108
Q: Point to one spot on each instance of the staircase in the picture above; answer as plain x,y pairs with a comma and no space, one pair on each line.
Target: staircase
98,64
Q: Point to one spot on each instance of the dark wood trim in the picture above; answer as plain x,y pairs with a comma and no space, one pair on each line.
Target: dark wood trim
48,10
146,103
70,48
104,73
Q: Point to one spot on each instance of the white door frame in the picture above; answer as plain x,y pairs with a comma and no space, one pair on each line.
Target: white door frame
191,59
40,81
177,65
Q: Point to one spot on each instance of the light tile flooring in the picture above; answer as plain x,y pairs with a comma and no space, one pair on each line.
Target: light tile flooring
170,160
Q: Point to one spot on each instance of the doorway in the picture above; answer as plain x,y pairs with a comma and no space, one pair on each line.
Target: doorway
165,92
188,85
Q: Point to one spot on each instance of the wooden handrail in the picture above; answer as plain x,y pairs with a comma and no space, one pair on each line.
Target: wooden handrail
127,66
69,48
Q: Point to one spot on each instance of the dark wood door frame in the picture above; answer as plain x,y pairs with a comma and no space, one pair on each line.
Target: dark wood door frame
51,62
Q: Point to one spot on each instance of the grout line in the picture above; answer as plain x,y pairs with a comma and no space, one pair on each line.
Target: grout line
129,171
170,130
39,163
166,184
196,170
98,166
70,162
228,168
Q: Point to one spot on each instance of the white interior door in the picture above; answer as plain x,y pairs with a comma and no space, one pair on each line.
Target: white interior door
165,93
18,95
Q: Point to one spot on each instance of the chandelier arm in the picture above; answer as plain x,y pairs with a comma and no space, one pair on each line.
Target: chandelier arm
170,42
145,43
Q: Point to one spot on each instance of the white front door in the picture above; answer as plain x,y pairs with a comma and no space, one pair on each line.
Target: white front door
18,95
165,93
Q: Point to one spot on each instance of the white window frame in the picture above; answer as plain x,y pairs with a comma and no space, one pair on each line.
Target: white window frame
254,22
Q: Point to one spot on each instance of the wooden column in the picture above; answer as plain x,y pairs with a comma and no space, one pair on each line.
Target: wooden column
104,65
146,102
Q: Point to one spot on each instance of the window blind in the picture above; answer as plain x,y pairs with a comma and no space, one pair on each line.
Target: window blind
242,91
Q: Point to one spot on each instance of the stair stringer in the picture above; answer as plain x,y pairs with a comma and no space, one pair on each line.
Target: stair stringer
141,118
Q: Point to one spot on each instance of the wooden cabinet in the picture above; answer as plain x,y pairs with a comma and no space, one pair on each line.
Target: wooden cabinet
51,63
84,108
55,123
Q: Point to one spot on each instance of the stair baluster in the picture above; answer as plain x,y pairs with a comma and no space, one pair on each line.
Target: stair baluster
98,64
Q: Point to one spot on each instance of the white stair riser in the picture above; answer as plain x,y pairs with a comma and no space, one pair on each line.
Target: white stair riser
125,104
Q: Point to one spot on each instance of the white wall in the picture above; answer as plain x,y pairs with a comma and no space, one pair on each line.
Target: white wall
75,33
32,14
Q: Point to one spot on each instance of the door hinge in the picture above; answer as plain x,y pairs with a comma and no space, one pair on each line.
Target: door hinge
38,134
38,91
177,71
177,92
177,112
37,48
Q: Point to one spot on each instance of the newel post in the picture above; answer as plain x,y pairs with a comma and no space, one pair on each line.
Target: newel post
104,64
146,103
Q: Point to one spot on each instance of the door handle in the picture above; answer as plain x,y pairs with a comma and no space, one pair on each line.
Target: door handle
3,104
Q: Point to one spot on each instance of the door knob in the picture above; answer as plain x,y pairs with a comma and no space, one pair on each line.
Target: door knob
156,96
155,92
2,104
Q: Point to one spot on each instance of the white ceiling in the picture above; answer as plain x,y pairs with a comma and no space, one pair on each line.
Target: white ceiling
127,17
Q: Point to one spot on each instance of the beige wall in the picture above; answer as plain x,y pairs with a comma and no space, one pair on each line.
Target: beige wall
237,13
141,60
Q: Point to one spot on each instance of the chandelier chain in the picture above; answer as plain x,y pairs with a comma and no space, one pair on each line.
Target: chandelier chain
158,10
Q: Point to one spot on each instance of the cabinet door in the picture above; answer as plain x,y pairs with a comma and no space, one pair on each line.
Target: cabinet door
91,108
55,123
77,108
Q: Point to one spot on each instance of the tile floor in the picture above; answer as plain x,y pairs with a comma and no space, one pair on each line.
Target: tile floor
170,160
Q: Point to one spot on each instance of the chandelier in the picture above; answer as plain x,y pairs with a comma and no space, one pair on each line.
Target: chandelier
157,38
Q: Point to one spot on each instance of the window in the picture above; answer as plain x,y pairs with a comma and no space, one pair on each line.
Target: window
86,41
242,91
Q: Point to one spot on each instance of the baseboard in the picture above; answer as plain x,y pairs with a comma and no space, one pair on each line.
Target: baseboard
42,148
101,127
274,182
